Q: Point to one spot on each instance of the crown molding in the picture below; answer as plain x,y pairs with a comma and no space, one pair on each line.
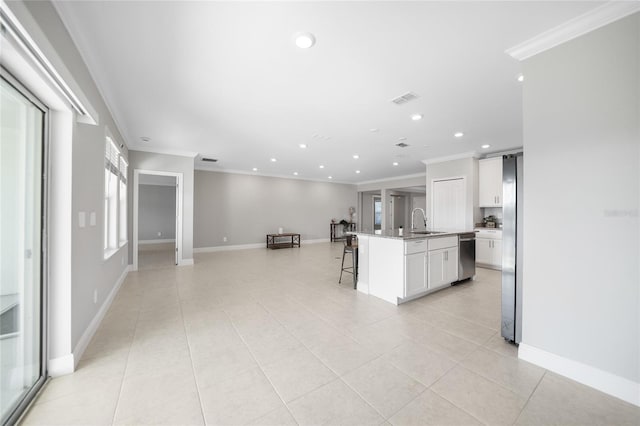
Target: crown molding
165,151
580,25
470,154
274,175
415,175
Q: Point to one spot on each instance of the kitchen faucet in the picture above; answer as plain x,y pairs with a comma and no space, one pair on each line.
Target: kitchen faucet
424,217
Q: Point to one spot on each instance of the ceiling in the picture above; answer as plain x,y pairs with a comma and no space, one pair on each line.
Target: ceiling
225,79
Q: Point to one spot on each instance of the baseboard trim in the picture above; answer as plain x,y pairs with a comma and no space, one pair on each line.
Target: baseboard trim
603,381
185,262
143,242
60,366
86,337
250,246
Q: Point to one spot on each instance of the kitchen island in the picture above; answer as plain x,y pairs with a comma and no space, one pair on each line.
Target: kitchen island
398,268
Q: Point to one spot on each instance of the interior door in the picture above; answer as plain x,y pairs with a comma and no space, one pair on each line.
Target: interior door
22,209
448,203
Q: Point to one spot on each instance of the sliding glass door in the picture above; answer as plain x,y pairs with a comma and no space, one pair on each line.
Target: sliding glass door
22,209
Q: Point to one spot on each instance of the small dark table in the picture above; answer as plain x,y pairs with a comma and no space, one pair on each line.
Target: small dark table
333,232
275,241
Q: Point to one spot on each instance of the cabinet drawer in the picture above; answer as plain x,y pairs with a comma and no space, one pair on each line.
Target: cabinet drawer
415,246
495,234
444,242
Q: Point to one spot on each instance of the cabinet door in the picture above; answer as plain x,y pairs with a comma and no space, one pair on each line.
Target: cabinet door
490,182
415,282
450,273
484,252
496,254
435,268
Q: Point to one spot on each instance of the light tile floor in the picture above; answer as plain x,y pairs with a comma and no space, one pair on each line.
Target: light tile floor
268,337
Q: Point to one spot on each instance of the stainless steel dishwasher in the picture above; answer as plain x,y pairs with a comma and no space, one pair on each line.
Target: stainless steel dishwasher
466,256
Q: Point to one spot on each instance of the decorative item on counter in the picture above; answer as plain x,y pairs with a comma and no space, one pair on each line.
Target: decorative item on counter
490,221
280,230
352,212
400,231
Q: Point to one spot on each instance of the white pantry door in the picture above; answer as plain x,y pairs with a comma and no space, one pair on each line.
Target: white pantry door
448,205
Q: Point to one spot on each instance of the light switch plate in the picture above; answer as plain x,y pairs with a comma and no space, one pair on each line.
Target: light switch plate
92,219
82,219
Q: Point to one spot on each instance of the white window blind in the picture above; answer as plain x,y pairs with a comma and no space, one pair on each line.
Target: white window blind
115,198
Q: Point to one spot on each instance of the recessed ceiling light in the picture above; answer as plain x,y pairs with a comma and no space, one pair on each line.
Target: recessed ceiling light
145,138
330,177
458,134
416,117
303,145
402,139
486,146
373,130
273,160
356,156
304,40
395,163
255,169
321,166
520,78
295,173
357,171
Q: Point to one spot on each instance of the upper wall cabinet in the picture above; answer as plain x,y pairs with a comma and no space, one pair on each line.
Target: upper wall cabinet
490,177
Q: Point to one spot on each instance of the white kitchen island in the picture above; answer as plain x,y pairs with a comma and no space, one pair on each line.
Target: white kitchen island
398,268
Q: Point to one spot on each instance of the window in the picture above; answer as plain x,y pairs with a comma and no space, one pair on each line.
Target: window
115,198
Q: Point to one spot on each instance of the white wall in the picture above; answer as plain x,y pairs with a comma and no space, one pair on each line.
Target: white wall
582,162
464,167
77,267
244,208
157,212
139,160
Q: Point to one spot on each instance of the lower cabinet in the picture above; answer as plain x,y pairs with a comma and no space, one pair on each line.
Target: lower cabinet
415,269
442,267
489,252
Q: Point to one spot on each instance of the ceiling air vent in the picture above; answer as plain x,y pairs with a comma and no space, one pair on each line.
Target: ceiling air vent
209,160
403,99
402,145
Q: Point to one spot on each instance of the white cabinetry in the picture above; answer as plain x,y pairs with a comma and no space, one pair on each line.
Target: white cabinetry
415,267
490,178
489,248
442,262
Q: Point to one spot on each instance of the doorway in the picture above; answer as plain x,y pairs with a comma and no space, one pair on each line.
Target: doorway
23,162
157,219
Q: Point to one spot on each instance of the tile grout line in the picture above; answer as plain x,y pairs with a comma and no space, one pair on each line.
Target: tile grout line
261,369
338,376
126,366
530,396
193,370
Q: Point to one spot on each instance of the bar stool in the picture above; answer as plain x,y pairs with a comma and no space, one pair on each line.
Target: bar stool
350,246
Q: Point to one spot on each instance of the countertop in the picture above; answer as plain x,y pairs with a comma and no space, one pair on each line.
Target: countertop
393,233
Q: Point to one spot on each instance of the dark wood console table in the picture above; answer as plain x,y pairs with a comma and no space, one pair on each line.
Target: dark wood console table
286,240
335,236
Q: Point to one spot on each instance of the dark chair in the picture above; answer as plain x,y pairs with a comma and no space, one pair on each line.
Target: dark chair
350,246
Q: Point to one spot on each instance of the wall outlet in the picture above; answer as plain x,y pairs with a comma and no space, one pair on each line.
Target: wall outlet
224,239
95,296
159,234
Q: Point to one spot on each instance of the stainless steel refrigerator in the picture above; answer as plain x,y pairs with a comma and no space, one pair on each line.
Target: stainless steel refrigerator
512,225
